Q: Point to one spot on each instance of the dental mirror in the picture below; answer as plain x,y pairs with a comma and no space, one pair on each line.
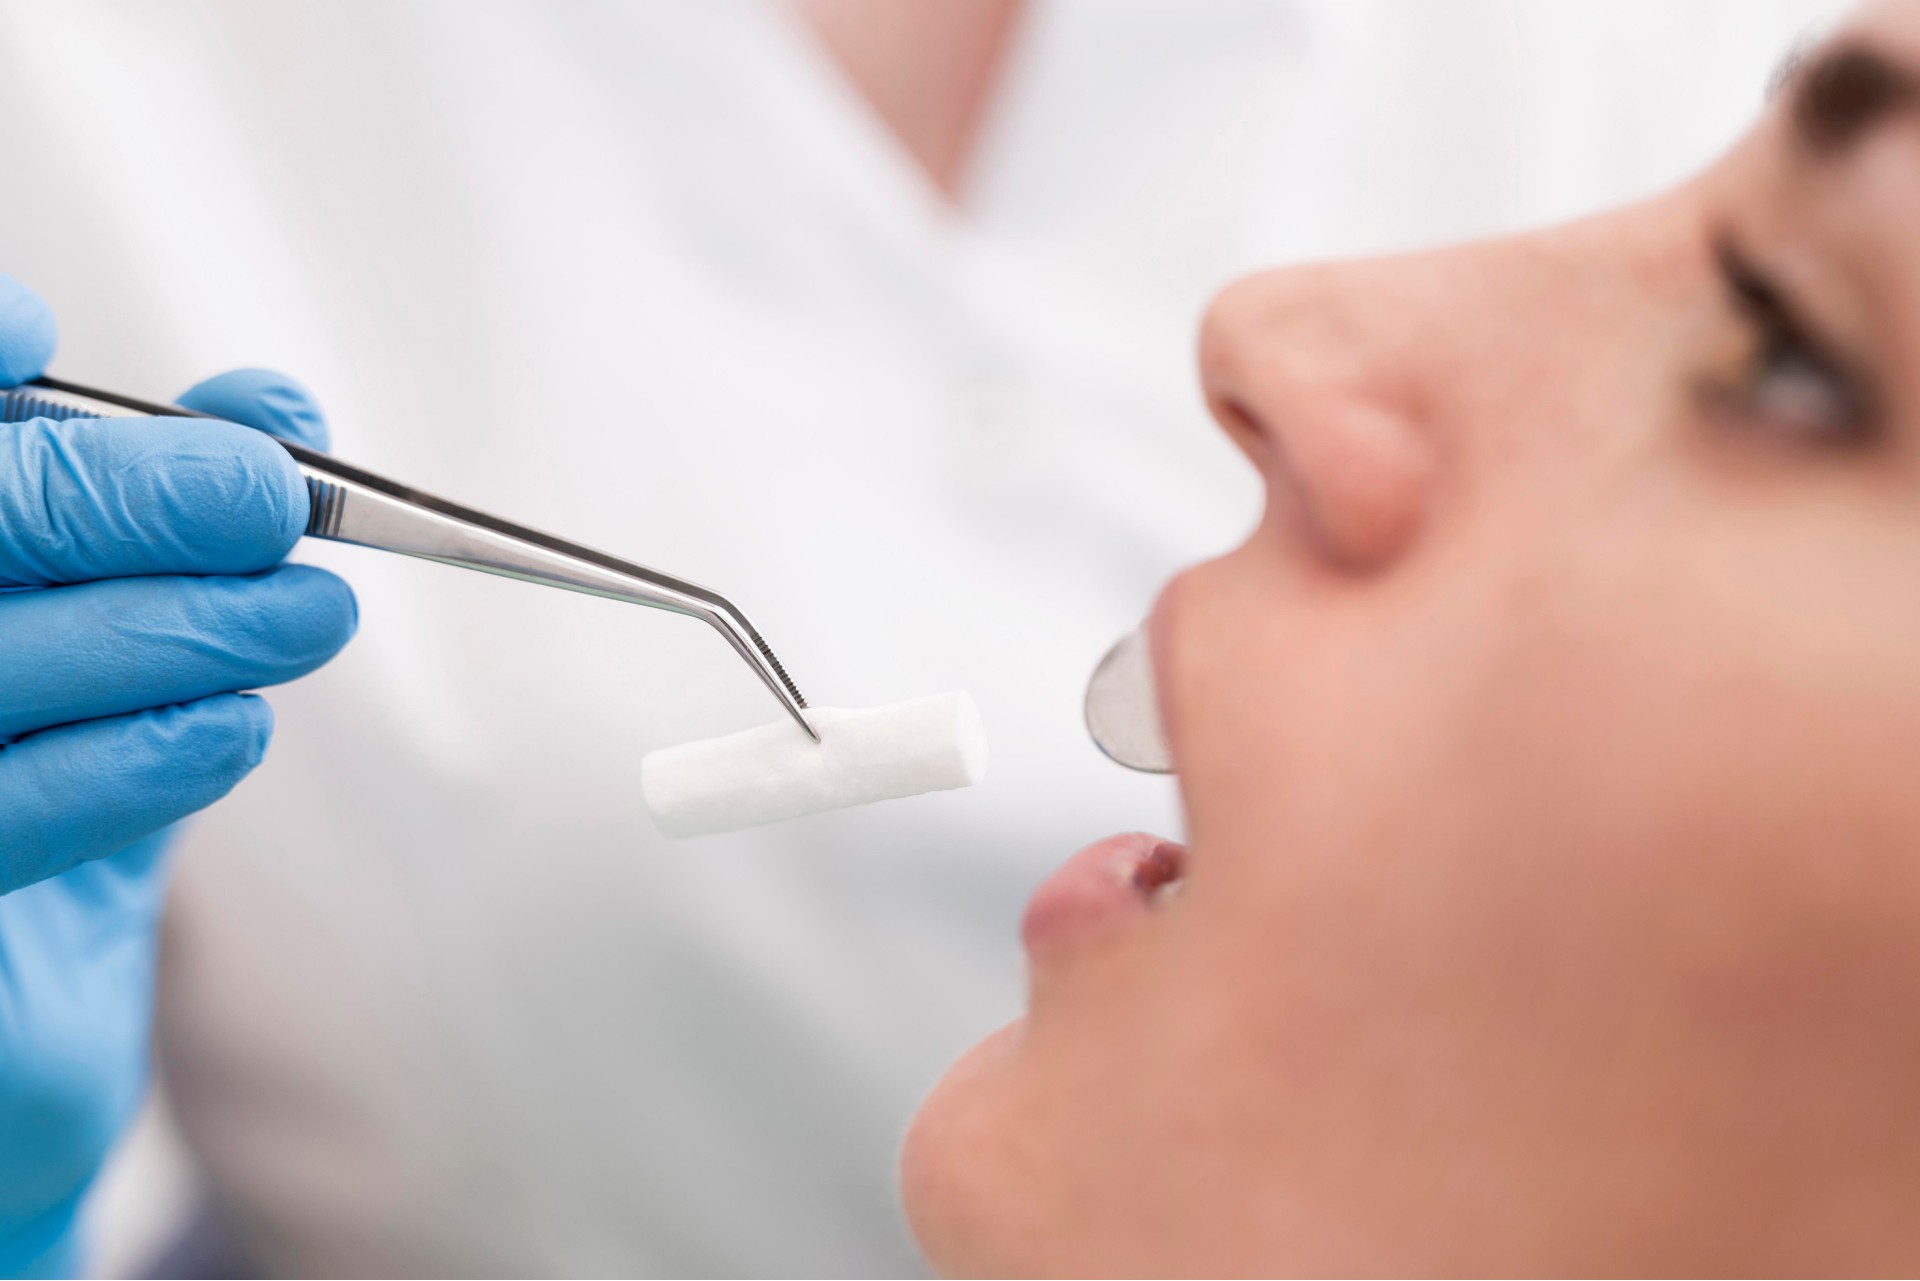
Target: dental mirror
1123,714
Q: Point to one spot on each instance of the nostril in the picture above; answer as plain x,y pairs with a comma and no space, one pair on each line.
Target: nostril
1241,426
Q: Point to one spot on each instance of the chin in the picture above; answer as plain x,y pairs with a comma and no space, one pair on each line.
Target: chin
960,1173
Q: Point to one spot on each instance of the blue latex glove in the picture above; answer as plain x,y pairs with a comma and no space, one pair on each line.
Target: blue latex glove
140,586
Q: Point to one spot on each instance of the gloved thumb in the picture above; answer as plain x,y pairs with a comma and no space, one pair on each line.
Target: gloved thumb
263,400
27,333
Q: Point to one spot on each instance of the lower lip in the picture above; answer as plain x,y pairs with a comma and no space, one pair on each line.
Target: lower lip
1106,884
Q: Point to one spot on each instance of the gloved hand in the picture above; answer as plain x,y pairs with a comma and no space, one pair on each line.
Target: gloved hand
140,586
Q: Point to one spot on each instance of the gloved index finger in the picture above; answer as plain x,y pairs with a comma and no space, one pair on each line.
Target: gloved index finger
27,333
262,398
85,499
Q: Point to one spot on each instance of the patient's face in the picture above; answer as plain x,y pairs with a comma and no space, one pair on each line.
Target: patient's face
1551,754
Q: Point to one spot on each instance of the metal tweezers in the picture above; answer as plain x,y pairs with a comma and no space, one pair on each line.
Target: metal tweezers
348,505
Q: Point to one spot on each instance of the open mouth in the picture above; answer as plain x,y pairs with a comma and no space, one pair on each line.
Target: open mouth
1161,871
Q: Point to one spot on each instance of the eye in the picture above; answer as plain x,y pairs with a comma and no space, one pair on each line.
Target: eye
1786,381
1789,385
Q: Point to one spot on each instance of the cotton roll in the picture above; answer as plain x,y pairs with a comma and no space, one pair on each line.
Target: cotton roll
775,772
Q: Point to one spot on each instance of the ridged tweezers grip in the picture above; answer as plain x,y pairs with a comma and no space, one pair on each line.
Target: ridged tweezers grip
20,407
325,504
766,651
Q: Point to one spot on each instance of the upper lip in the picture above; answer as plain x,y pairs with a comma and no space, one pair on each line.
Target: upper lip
1159,649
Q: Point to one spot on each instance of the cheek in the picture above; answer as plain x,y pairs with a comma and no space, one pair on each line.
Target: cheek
1693,687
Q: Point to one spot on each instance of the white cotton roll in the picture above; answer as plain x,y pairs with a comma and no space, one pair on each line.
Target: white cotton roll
776,772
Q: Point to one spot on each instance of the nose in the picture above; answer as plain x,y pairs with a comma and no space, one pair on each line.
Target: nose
1302,373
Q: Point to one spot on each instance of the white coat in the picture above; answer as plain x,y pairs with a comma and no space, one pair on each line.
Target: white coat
436,997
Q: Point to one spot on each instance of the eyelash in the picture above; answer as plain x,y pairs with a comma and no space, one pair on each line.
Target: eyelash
1824,404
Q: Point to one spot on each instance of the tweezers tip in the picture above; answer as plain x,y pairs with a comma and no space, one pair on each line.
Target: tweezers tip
753,647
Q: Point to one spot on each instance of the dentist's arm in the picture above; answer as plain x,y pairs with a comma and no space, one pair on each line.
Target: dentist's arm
140,590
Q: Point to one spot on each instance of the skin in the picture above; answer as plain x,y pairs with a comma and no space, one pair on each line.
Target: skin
1549,756
927,69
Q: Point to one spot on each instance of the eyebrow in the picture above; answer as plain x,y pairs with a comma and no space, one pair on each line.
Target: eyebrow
1842,93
